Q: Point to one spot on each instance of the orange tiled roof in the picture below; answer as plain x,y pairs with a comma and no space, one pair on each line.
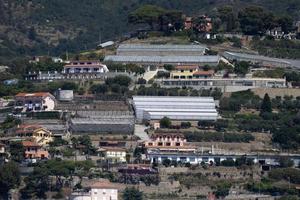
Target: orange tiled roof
37,94
30,144
209,72
25,128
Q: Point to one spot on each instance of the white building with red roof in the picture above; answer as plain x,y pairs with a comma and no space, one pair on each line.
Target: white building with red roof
39,101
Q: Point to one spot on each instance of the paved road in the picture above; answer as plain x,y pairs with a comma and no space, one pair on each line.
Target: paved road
139,130
149,75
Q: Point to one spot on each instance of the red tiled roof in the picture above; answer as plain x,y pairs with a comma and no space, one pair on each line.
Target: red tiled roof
186,67
103,185
30,144
37,94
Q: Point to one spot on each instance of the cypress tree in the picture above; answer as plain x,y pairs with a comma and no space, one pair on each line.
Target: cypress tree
266,106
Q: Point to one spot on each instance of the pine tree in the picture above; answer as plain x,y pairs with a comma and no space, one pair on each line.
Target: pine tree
266,106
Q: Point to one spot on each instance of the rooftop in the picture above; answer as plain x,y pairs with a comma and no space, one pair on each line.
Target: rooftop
165,47
163,59
209,72
37,94
30,144
103,185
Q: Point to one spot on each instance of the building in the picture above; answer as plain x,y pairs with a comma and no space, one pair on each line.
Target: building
105,44
37,133
103,190
149,60
189,72
113,154
2,148
275,32
168,142
176,108
34,150
65,95
160,50
40,101
188,23
84,69
257,59
104,122
225,84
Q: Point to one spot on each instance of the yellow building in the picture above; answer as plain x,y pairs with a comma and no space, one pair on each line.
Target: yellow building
39,134
190,72
184,72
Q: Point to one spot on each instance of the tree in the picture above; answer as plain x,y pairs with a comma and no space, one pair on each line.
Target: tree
169,67
266,105
241,67
132,194
9,178
165,122
17,151
99,88
148,14
166,162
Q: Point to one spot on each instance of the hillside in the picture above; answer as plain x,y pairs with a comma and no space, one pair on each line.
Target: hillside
31,27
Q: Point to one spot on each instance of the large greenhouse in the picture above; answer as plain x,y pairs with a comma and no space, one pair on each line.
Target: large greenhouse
160,50
175,108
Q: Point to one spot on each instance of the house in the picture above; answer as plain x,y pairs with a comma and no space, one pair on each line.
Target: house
184,71
103,190
84,69
188,23
190,72
275,32
2,148
169,142
40,101
34,150
40,135
114,154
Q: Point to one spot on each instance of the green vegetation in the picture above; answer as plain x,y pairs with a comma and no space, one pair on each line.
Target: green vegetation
218,137
16,150
9,178
132,194
38,183
277,48
165,122
266,106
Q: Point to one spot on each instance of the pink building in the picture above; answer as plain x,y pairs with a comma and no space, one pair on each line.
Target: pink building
36,101
169,142
34,150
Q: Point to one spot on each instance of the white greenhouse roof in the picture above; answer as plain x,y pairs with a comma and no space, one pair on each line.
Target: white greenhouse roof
162,47
255,57
163,59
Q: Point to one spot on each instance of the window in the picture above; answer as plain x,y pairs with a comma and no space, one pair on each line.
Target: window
150,144
191,70
160,144
182,70
168,144
177,144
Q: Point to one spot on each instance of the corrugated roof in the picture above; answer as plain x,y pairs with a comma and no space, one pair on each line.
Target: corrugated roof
256,57
163,59
170,47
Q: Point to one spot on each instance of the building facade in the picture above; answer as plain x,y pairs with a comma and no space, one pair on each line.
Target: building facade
40,101
34,150
84,69
168,142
